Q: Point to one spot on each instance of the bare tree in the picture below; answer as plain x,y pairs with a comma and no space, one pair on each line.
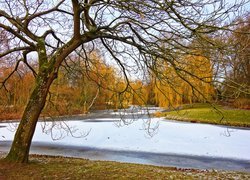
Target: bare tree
237,83
145,32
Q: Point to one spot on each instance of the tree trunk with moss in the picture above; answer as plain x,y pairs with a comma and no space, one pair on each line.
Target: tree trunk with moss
19,151
47,73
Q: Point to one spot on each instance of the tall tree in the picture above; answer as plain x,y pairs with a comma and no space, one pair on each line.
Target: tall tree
126,30
239,61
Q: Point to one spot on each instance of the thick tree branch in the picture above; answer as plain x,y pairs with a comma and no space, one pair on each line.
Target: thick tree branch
16,49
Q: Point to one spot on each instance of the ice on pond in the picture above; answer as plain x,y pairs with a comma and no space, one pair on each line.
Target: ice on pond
163,136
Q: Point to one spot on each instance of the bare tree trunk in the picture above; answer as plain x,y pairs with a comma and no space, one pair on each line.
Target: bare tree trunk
93,100
19,151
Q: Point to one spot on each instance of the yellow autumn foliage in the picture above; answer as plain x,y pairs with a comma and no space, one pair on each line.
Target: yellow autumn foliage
190,80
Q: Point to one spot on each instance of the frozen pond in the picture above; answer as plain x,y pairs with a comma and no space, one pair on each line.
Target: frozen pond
136,134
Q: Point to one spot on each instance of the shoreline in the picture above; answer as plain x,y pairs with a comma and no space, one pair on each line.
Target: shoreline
137,157
89,116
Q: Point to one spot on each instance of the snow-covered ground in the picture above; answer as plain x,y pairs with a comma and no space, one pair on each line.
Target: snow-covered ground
142,135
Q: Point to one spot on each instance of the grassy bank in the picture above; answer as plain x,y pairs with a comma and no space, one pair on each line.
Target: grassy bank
205,113
44,167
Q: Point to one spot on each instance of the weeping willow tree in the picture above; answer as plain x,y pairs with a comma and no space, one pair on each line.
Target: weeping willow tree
128,33
194,83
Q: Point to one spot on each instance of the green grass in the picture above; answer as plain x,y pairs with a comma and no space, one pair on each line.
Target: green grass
205,113
47,167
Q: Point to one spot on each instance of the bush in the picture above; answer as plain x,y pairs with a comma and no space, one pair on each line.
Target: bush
242,103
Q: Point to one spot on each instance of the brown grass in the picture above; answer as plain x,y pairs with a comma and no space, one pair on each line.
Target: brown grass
47,167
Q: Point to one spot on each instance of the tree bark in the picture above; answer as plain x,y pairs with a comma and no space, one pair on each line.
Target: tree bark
19,151
47,72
